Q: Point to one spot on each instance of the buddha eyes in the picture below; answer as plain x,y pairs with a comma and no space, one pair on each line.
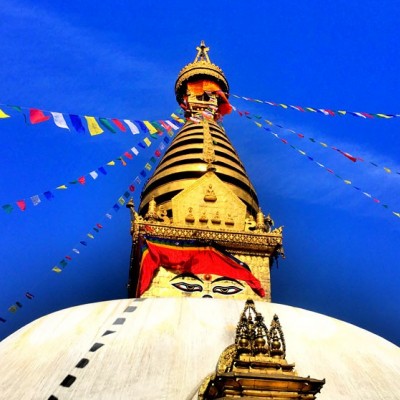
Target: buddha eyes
192,287
188,287
226,290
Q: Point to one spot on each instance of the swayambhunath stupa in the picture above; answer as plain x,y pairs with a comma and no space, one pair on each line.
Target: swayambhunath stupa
198,322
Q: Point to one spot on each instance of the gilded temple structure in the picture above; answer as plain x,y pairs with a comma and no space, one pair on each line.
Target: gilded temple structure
200,197
195,324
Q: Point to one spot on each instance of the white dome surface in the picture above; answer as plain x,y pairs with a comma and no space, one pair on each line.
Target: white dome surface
163,348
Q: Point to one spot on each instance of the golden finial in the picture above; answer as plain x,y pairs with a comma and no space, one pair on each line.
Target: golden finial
202,53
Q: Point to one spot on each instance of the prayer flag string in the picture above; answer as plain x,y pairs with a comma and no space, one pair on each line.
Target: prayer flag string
84,241
93,125
324,111
345,181
323,144
36,199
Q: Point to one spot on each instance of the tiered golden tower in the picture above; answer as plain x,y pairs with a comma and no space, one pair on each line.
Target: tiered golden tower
199,230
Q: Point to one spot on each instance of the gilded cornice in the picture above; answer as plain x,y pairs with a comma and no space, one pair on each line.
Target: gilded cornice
247,243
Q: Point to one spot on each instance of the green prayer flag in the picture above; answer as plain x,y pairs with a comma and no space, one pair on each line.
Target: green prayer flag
106,124
7,208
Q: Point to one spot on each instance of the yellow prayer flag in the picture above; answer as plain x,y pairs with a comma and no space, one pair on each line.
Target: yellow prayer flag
323,144
13,308
90,235
389,171
112,163
56,269
283,105
258,101
62,187
148,167
302,152
347,182
396,214
384,116
93,126
177,118
258,124
150,127
121,201
147,141
342,112
268,122
3,114
311,109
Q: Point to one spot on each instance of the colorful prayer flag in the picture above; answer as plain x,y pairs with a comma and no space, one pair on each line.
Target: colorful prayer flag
121,201
76,251
94,174
172,125
83,243
29,295
111,163
48,195
116,207
3,114
147,141
77,123
93,126
62,187
99,226
90,235
56,269
106,124
128,155
59,120
109,216
35,200
82,180
21,204
102,170
7,208
150,127
37,116
132,126
131,188
148,167
119,124
135,151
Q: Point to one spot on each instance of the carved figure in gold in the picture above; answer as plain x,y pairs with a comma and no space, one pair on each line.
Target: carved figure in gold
210,194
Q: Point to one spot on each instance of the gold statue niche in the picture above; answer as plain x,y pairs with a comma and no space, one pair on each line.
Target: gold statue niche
255,366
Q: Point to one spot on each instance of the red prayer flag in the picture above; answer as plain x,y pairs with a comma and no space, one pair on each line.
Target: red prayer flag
82,180
36,116
128,155
68,258
119,124
99,226
157,153
21,204
131,188
193,257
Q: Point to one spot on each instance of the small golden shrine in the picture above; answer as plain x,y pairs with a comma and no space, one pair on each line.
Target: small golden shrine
199,230
255,365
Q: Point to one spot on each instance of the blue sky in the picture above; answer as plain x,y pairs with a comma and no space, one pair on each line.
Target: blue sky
121,59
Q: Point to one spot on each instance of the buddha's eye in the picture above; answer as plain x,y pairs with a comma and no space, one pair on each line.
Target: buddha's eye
188,287
226,290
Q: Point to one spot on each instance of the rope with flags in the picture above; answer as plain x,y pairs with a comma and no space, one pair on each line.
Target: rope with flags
92,175
82,123
310,158
349,156
323,111
84,242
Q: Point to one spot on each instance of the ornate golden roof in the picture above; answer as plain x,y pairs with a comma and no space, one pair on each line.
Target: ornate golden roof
200,68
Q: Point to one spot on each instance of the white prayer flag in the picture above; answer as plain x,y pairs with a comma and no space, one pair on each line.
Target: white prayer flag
59,120
35,200
135,151
93,174
132,126
173,126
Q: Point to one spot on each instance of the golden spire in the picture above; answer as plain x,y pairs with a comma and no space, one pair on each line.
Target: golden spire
202,53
